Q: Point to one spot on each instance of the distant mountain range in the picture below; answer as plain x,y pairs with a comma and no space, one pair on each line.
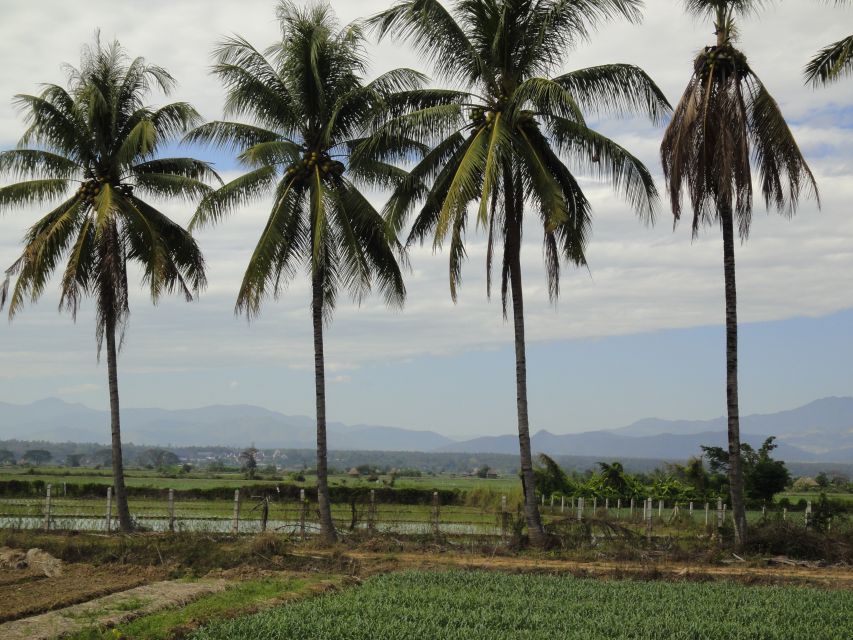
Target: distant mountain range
821,431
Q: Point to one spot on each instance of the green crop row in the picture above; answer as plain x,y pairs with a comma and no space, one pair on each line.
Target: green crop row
475,605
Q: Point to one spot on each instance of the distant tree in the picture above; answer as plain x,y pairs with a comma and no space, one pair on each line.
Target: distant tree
483,472
613,477
37,456
73,459
102,457
249,462
550,478
822,480
158,459
6,457
694,474
763,476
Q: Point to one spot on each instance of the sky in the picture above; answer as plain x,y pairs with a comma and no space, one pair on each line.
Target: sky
638,334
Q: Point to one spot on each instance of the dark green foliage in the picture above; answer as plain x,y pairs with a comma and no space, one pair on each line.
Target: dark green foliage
37,456
764,477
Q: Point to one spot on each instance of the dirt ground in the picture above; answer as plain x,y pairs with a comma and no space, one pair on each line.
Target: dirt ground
26,592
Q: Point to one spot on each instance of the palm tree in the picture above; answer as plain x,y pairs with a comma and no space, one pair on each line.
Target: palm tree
725,116
503,143
309,109
832,62
99,139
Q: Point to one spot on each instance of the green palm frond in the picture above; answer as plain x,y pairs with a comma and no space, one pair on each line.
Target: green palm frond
239,192
434,33
32,192
598,155
831,63
186,167
230,135
26,163
616,89
166,185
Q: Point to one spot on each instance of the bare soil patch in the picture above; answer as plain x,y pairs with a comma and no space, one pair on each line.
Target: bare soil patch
109,610
27,592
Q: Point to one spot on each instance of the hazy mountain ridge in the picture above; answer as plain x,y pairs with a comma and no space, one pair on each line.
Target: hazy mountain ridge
821,431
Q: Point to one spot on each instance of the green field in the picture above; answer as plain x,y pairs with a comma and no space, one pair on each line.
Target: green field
475,605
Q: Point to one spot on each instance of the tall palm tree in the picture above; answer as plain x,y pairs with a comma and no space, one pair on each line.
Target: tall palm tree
831,62
504,143
726,116
309,110
99,141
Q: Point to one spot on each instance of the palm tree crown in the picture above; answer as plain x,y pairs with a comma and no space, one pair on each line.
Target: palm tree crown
310,112
100,139
503,143
727,120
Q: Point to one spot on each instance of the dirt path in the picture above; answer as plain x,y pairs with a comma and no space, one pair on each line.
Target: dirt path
109,610
828,577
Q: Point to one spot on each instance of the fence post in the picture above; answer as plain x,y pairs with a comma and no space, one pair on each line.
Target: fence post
562,504
691,513
784,513
594,504
303,510
172,510
808,514
618,508
371,512
552,502
504,517
648,512
631,512
108,518
719,513
707,513
660,508
606,505
435,511
235,525
580,509
763,510
47,509
265,513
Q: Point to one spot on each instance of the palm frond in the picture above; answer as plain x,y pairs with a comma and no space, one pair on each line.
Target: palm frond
239,192
32,192
831,63
25,163
616,89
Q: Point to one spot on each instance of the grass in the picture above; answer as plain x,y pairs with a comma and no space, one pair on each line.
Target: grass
473,605
240,599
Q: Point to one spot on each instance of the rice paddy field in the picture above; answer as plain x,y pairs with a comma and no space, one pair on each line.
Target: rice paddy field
474,605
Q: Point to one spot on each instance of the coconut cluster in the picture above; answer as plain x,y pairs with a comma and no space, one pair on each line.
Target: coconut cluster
90,189
722,61
311,159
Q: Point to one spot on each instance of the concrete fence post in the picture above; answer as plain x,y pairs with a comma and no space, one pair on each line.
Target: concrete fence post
562,504
303,513
618,508
660,508
108,519
371,512
172,510
594,505
707,513
435,512
719,513
235,524
47,508
606,505
504,518
580,509
631,510
807,517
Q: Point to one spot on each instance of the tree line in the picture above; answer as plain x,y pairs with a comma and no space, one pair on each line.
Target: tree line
313,132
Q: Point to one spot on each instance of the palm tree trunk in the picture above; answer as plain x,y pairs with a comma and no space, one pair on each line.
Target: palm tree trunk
125,523
735,472
513,246
327,527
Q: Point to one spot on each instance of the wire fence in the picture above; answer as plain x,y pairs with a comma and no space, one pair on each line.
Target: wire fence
247,514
